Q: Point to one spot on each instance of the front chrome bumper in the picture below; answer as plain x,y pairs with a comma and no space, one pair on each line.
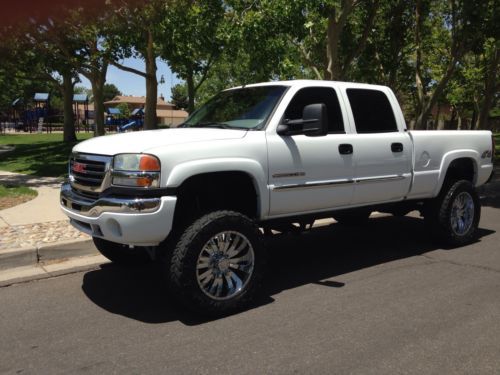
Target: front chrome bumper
94,208
132,221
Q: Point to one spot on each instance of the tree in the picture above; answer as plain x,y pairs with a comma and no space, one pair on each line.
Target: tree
193,40
490,52
179,96
124,110
110,91
90,33
136,34
444,32
491,84
386,58
41,48
329,35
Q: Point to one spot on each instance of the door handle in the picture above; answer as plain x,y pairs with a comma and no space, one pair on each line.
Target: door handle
345,149
397,147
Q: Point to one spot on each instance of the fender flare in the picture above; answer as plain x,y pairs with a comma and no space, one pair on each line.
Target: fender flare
451,156
252,168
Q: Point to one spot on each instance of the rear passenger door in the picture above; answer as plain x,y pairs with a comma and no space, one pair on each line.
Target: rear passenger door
382,152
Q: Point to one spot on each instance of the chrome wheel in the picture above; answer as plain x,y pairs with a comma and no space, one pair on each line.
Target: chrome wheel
225,265
462,213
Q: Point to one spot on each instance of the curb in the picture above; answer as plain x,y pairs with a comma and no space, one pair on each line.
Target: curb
44,271
33,255
66,249
18,257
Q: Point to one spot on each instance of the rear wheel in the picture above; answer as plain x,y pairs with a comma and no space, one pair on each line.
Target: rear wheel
122,254
218,264
453,217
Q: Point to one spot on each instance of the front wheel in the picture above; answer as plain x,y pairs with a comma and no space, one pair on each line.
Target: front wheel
453,217
218,264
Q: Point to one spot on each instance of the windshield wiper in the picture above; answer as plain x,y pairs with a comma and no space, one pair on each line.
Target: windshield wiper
219,125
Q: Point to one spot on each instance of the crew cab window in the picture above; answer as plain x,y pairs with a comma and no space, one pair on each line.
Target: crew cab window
372,111
315,95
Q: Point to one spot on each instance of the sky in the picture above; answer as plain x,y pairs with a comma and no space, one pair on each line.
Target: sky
133,84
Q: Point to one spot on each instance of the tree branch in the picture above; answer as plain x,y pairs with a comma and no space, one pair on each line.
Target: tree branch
418,63
364,37
128,69
306,56
205,73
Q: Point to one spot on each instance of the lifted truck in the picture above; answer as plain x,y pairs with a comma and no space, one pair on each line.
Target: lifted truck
262,157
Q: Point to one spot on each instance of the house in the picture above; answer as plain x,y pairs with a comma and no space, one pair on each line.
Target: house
165,112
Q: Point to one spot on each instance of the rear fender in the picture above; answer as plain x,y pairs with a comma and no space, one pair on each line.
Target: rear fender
451,156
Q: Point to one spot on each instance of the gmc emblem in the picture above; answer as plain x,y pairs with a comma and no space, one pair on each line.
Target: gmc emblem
79,167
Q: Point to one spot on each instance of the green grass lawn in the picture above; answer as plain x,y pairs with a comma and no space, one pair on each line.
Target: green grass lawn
37,154
11,196
12,191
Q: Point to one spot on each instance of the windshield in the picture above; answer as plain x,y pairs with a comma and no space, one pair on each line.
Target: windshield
245,108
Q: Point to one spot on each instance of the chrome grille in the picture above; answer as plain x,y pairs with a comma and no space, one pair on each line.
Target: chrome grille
89,173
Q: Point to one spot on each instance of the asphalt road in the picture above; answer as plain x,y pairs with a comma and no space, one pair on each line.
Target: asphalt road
382,299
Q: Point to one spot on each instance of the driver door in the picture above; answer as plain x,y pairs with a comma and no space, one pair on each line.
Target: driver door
311,173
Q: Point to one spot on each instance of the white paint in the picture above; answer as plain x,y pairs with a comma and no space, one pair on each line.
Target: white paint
417,172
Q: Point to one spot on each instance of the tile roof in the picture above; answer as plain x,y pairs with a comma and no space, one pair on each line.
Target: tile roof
137,100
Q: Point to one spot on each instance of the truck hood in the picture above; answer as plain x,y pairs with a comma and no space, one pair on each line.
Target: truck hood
137,142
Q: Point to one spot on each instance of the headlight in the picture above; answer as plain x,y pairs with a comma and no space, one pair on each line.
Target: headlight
137,170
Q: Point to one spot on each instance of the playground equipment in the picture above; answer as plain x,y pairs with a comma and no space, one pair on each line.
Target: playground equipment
115,121
17,109
81,118
136,120
114,118
31,119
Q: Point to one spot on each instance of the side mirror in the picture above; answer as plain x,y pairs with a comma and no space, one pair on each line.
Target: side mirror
314,122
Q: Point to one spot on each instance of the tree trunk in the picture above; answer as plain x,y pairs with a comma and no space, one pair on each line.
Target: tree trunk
418,65
98,93
429,103
191,92
438,112
69,121
475,113
489,90
333,70
150,119
97,78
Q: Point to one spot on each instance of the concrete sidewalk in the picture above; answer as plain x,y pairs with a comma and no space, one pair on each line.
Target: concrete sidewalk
37,232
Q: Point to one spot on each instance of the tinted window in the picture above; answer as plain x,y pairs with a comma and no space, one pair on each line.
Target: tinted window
315,95
372,111
245,108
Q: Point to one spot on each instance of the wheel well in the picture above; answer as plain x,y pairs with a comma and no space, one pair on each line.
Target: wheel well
461,169
218,190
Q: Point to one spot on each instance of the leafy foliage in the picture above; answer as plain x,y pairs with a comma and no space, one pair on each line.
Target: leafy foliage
431,52
110,91
179,96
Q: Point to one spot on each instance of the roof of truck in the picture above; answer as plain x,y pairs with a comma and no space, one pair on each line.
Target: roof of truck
313,82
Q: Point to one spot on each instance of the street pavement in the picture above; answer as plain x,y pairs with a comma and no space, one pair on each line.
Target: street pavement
378,299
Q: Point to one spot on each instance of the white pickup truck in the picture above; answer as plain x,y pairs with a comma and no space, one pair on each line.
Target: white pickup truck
261,158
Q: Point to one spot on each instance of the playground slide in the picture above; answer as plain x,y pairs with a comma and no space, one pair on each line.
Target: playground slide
131,124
